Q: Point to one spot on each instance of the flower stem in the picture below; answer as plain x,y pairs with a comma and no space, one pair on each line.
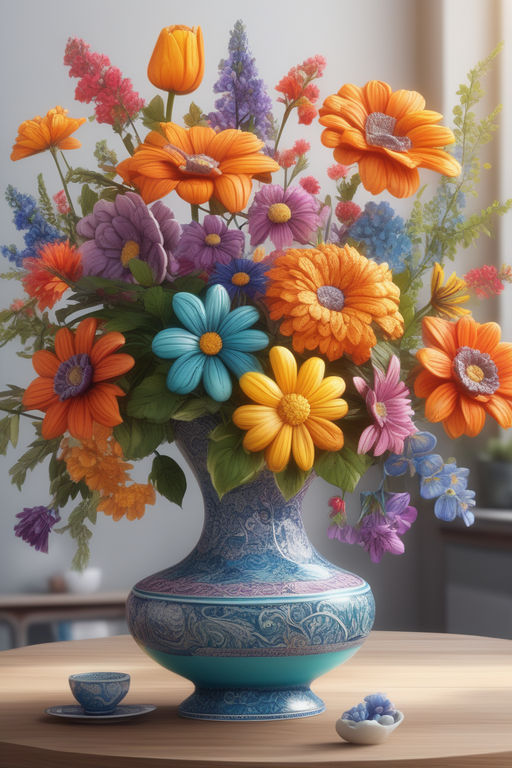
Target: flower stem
194,211
65,186
286,115
168,110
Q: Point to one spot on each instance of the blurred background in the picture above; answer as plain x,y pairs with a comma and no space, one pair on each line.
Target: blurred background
449,579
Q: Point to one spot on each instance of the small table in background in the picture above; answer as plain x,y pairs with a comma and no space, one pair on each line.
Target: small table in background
20,611
455,692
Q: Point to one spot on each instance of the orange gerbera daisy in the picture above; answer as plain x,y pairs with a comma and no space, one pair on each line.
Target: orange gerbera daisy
50,132
389,134
329,298
467,374
295,411
45,274
199,164
73,388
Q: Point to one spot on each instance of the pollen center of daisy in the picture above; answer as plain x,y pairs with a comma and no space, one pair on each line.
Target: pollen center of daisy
380,132
293,409
73,377
279,213
476,371
130,251
240,278
381,410
210,343
330,297
212,239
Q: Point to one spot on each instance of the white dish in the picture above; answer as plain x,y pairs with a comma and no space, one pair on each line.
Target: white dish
366,731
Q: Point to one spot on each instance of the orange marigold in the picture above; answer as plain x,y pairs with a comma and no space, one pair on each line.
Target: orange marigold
48,275
129,500
467,374
329,297
50,132
199,164
389,134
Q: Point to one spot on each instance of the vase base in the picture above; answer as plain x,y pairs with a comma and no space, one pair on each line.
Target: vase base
251,704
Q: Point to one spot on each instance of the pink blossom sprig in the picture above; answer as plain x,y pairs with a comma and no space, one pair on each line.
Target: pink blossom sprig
300,92
487,281
116,103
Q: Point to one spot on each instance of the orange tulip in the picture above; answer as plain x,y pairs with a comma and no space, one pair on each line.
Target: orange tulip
177,62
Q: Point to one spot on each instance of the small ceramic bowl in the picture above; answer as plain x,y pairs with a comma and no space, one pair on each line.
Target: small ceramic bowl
368,731
99,693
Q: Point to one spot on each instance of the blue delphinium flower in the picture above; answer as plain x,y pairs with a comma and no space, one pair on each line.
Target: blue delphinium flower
452,504
27,216
241,277
416,447
212,340
378,704
356,714
383,234
35,526
245,103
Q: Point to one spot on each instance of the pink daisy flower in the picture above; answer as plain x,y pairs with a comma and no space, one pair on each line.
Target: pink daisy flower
389,405
283,215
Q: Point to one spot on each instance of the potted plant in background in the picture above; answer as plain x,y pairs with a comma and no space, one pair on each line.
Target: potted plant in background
495,474
264,367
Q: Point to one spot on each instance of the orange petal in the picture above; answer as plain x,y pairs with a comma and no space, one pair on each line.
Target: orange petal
500,409
106,345
45,363
325,434
441,402
435,361
103,406
64,344
488,337
467,332
55,422
441,334
474,415
233,191
455,424
80,418
112,367
84,336
424,383
40,395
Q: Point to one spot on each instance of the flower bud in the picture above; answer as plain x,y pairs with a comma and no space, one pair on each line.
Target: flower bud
177,62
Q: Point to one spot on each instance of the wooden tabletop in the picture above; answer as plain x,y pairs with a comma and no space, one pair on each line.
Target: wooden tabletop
455,692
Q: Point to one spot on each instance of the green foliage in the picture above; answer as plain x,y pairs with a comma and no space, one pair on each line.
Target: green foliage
45,203
168,478
229,464
84,176
342,468
85,511
194,407
152,400
194,116
33,331
139,439
107,158
88,199
37,452
154,114
158,303
290,480
347,189
141,272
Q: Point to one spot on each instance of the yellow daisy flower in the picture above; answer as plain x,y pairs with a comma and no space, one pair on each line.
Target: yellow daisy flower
294,413
446,297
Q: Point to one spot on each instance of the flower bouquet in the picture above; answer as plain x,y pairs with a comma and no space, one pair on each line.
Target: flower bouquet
287,321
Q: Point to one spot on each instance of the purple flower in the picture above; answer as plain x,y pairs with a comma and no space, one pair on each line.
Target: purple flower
399,511
378,705
347,534
202,246
35,526
378,535
241,277
245,103
125,229
357,714
284,215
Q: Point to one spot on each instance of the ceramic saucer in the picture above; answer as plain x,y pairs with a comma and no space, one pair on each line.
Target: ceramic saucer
122,711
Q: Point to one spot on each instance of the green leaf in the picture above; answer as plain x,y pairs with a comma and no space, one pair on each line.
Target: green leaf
141,272
152,400
342,468
291,480
229,464
194,116
5,433
382,354
14,429
38,451
154,113
141,438
88,199
168,478
190,284
194,407
45,203
86,510
158,303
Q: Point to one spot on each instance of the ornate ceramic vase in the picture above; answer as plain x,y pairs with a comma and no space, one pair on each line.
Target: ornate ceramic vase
254,613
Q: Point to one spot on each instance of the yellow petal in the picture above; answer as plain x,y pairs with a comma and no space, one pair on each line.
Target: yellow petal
261,388
285,369
330,409
330,388
310,376
325,434
259,436
303,448
277,454
247,416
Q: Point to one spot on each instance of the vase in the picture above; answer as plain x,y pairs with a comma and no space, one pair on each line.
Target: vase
254,613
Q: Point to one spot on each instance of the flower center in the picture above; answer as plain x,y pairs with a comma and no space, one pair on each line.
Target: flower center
330,297
381,410
198,165
279,213
212,239
73,377
293,409
130,251
476,371
379,129
210,343
240,278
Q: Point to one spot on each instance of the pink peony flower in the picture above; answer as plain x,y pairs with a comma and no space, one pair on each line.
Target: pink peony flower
283,215
390,407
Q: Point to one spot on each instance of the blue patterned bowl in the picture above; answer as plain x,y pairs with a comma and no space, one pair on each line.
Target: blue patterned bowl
99,693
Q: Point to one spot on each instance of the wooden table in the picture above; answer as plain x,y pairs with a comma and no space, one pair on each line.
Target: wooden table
20,611
455,692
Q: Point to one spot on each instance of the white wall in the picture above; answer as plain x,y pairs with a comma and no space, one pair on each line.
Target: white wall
370,39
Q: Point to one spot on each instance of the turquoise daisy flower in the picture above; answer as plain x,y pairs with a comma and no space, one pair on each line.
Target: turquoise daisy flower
213,340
